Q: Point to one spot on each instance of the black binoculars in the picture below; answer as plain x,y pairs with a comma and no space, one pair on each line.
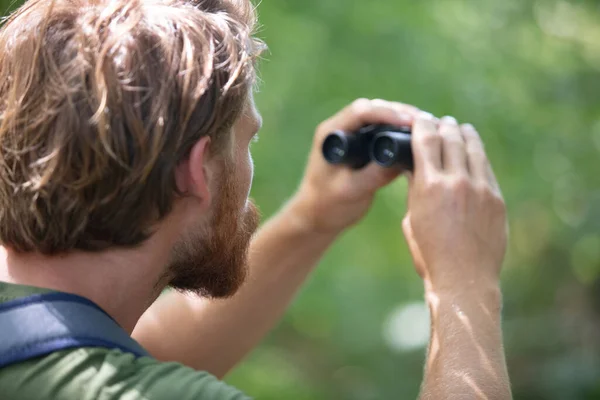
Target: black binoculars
386,145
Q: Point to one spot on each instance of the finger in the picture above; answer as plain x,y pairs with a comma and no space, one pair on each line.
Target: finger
365,112
479,164
454,157
373,177
426,146
477,161
411,111
491,177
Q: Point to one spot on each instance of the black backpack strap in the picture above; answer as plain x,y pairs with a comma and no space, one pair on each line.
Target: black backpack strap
41,324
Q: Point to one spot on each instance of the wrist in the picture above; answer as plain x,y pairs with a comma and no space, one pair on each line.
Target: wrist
486,294
469,276
306,209
301,214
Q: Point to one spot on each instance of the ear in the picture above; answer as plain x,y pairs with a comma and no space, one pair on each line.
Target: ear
193,175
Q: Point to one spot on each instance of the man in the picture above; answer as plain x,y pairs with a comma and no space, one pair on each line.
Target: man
125,168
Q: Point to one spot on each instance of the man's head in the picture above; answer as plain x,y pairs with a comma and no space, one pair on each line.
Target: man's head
121,117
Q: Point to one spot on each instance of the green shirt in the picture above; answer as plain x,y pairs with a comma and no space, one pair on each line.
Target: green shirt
103,374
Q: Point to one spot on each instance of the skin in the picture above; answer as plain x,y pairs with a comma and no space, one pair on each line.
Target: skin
452,170
456,230
283,253
125,282
204,334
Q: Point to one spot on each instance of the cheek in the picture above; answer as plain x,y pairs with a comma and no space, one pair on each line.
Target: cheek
249,173
244,175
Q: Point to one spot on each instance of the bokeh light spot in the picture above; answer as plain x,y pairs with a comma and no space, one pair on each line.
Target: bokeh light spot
407,327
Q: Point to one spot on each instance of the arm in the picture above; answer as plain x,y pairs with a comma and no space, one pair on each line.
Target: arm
466,357
456,231
215,335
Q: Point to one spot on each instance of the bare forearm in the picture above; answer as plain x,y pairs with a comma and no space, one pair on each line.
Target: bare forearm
466,355
215,335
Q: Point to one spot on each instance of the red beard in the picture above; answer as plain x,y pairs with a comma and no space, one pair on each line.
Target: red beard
214,264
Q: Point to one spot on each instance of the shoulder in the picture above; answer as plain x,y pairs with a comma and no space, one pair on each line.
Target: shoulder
94,373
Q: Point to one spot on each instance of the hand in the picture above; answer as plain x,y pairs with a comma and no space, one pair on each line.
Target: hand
456,222
333,197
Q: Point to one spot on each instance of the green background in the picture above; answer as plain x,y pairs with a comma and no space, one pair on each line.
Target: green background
526,74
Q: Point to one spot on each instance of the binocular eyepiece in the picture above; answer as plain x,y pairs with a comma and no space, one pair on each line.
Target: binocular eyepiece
386,145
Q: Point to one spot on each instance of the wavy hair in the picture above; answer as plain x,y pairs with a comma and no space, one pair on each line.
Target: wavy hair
100,100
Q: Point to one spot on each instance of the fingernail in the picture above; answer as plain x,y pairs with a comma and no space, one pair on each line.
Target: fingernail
426,116
469,127
449,120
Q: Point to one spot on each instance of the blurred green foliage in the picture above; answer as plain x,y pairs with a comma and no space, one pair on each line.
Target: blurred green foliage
526,73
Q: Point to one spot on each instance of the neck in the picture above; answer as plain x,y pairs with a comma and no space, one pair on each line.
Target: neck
124,283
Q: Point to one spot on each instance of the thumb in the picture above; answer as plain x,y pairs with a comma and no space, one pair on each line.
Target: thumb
373,176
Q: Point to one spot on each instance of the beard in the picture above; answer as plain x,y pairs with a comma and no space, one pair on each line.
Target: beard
213,262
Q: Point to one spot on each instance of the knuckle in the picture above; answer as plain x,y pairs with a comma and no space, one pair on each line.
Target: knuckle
474,143
491,198
485,195
498,202
324,128
482,190
454,140
461,184
469,130
448,123
393,105
450,131
408,107
429,139
361,105
471,135
434,185
477,153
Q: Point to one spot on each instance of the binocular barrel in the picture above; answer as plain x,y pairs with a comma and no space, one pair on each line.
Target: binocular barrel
392,148
348,149
386,145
